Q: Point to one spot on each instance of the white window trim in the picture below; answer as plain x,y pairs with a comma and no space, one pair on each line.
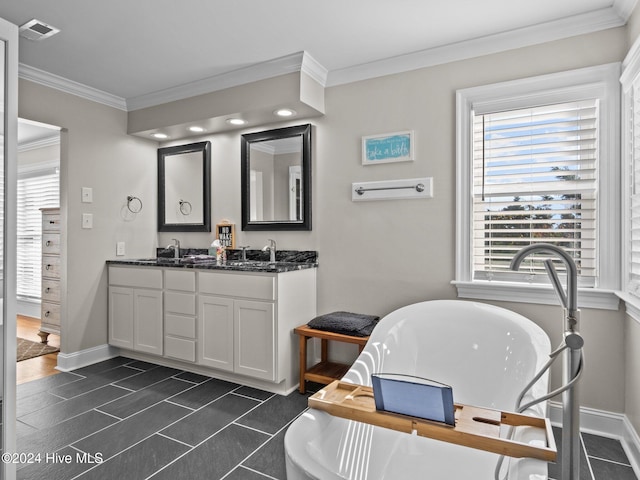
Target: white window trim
631,71
601,82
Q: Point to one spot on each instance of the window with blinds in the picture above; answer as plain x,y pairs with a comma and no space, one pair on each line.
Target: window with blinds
535,181
634,213
36,190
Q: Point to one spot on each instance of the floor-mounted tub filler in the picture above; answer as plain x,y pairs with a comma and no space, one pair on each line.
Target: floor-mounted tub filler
487,354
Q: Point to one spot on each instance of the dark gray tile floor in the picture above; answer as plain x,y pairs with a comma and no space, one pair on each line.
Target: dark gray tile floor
600,459
126,419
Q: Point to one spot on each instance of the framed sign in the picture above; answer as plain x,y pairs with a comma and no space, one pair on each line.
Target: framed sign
226,233
387,148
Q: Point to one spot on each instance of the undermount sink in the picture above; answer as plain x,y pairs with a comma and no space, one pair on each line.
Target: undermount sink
253,263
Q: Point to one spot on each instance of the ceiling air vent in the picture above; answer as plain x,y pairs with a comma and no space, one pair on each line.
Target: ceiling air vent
37,30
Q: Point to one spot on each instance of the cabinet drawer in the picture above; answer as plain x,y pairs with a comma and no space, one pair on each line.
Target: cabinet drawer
227,284
51,222
180,325
180,280
180,348
183,303
50,266
135,277
51,243
50,313
51,290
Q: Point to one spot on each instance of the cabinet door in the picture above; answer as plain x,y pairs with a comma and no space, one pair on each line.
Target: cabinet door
215,332
254,339
121,317
147,315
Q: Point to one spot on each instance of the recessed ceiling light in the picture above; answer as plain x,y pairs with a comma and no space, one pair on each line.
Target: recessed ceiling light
285,112
236,121
160,135
196,129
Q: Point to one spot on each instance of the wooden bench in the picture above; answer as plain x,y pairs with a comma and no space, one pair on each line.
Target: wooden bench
324,372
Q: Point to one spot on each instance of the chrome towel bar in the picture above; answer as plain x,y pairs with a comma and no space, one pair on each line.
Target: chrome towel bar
418,188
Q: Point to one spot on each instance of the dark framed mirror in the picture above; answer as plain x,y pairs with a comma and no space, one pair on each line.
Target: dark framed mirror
276,179
184,188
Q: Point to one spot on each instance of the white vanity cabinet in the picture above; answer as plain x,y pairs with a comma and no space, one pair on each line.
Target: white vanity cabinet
180,314
135,309
246,322
234,325
238,330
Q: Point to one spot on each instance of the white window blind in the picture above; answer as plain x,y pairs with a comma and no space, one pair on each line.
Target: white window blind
35,191
535,181
634,213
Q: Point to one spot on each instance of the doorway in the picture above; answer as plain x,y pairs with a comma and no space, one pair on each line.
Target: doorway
38,249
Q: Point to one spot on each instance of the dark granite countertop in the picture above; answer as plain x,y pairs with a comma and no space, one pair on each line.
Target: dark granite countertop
256,260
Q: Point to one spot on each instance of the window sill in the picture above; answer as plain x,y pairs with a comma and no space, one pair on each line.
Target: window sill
539,294
632,305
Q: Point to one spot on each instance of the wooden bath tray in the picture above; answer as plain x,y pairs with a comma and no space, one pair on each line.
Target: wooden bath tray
475,427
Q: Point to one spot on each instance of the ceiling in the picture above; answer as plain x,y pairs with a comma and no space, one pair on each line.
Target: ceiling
130,49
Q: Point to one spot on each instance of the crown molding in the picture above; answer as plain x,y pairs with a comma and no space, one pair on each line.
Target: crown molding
299,61
631,66
614,16
624,8
51,80
597,20
41,143
314,69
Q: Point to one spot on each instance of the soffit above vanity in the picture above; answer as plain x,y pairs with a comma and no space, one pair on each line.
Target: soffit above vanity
299,88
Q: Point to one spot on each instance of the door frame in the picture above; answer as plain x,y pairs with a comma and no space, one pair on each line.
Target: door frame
9,39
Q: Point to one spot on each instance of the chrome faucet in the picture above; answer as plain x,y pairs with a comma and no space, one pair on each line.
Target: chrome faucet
272,250
175,246
569,300
244,252
572,359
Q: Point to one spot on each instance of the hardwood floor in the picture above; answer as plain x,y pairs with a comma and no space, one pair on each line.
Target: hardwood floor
37,367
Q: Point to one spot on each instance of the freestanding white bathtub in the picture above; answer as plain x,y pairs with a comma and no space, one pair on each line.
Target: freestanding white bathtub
486,353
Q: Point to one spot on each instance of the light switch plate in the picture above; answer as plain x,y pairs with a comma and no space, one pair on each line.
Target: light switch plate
87,195
87,220
119,249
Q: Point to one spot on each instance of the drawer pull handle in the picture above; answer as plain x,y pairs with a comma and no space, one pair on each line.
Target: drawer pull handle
46,314
48,243
47,290
48,267
51,222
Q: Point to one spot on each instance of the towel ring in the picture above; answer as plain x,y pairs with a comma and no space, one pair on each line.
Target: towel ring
185,207
134,204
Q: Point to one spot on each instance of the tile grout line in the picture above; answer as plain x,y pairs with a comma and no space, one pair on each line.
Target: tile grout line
214,434
128,448
610,461
239,466
152,405
113,383
285,426
586,455
191,447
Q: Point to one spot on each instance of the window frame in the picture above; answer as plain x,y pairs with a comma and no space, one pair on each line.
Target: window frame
592,82
48,169
630,76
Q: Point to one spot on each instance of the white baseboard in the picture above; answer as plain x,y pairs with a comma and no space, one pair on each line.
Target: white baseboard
605,424
28,308
71,361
